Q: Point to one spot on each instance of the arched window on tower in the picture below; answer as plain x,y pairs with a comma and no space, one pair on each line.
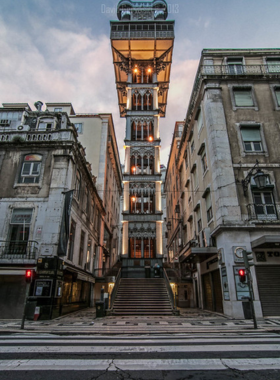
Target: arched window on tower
148,101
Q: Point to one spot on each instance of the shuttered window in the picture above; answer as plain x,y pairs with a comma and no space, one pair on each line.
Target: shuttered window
243,97
251,137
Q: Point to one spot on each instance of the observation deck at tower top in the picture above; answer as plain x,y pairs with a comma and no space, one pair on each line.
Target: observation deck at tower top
142,36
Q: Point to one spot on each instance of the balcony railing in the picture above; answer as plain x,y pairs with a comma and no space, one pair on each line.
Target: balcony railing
15,249
237,70
263,212
34,136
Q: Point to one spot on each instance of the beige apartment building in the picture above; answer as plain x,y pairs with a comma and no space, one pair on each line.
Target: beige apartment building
230,141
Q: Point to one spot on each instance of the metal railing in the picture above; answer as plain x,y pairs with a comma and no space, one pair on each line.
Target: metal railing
263,212
237,70
169,290
15,249
115,290
34,136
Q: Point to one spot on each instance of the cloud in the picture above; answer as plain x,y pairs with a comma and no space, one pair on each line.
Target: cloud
69,64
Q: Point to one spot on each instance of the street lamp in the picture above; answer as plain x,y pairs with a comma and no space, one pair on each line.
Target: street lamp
258,176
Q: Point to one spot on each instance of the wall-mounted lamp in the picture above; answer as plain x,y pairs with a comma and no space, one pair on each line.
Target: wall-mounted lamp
258,176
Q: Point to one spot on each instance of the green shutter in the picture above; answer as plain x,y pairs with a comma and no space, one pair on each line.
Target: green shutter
243,98
251,134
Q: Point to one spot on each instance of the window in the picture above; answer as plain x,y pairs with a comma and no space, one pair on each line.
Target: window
195,177
251,137
57,109
208,206
199,121
264,205
208,66
199,221
243,97
77,185
192,147
273,65
71,240
235,66
30,170
277,94
81,252
204,162
46,125
19,231
79,127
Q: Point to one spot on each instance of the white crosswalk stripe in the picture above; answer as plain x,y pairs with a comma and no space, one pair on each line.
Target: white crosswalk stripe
169,353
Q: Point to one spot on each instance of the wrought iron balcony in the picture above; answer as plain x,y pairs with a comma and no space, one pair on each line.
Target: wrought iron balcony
263,212
16,249
240,70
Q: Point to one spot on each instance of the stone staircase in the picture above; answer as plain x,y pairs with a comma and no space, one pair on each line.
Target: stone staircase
142,296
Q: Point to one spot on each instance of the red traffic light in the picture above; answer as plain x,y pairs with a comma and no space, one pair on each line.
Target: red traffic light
28,275
242,275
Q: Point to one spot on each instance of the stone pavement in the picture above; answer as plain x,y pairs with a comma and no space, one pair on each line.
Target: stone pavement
84,322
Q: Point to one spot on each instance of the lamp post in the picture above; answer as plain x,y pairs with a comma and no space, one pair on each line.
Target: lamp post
258,176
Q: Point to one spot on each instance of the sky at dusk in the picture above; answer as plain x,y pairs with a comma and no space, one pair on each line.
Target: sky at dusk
59,51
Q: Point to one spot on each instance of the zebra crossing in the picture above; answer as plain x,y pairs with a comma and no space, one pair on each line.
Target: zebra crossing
102,355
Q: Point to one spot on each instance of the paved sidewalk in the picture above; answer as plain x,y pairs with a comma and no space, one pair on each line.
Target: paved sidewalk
190,321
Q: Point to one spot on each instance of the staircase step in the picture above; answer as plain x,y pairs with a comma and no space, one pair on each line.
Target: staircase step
142,297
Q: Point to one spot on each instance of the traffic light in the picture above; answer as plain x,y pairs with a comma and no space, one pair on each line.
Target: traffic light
242,275
28,275
248,258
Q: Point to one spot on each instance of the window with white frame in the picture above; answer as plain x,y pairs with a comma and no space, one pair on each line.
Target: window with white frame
251,137
264,205
79,127
243,97
235,66
58,109
30,170
273,65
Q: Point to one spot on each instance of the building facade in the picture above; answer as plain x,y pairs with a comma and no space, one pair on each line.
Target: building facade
142,45
230,140
96,133
51,213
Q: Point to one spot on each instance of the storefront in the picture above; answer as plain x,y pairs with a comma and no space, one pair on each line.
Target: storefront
60,288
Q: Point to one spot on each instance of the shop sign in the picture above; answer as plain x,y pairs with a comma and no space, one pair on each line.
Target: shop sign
264,256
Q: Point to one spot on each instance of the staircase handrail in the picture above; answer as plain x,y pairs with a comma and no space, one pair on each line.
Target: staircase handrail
169,289
115,289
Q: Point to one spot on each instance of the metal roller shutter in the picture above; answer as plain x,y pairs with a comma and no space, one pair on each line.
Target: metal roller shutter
268,278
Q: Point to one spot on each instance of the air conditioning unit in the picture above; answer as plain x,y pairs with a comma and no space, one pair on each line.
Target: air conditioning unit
23,128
